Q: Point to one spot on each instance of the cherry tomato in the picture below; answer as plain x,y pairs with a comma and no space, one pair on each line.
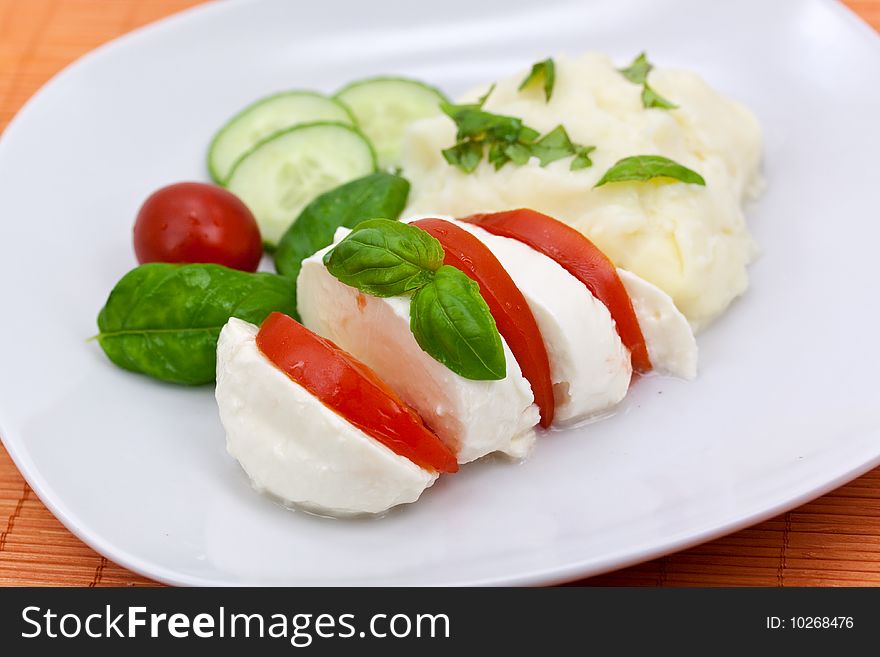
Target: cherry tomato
582,259
351,389
197,222
506,303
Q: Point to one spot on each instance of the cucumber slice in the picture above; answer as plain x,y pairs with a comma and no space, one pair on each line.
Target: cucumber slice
384,107
265,117
279,176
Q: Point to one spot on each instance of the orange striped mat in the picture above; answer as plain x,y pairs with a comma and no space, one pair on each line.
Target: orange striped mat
834,540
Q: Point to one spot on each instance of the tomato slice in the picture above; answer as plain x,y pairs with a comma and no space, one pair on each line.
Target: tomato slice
582,259
506,303
352,390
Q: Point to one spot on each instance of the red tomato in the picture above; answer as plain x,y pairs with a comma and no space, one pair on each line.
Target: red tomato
351,389
506,303
197,222
582,259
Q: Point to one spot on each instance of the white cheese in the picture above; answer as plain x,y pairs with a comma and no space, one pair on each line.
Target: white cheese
589,365
473,418
295,448
672,347
689,240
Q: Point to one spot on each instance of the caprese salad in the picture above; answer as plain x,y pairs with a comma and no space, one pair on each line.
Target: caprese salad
387,351
457,338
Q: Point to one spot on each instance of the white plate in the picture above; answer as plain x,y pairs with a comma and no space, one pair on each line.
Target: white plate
786,406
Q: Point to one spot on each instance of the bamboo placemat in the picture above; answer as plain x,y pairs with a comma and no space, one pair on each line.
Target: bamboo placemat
834,540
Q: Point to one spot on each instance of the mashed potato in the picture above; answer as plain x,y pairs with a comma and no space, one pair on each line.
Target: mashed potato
691,241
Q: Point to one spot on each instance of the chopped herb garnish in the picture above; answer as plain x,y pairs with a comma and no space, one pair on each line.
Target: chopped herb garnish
553,146
478,129
482,99
637,73
544,72
465,155
507,139
651,98
581,158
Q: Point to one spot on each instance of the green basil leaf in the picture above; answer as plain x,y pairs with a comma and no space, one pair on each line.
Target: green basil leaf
646,167
542,72
451,109
385,258
508,140
478,124
465,155
553,146
519,154
376,195
581,158
498,154
527,135
477,129
482,99
637,72
163,320
651,98
452,323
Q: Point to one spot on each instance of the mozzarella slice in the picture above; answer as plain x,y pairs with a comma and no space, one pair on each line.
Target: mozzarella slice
589,365
672,347
295,448
473,418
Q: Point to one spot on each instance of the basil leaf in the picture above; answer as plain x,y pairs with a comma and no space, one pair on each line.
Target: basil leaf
646,167
477,129
508,140
163,320
651,98
556,145
482,99
474,123
527,135
519,154
637,72
448,317
581,158
542,72
452,323
465,155
451,108
385,258
553,146
376,195
498,154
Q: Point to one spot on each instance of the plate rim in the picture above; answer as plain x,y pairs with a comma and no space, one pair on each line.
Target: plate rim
535,577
